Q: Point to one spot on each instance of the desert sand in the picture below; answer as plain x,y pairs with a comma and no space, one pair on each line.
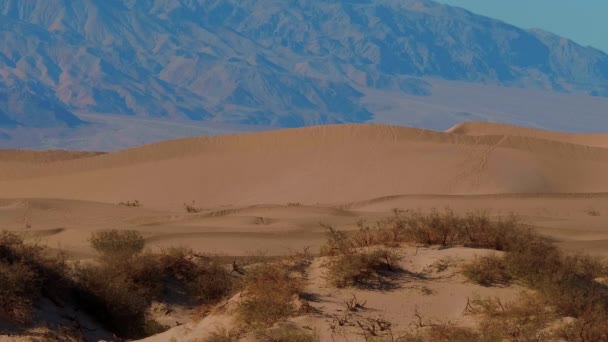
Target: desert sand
265,193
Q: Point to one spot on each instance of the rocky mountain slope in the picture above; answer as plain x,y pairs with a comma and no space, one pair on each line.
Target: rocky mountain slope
272,62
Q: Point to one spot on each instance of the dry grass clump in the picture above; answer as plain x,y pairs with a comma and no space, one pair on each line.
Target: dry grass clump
270,292
488,270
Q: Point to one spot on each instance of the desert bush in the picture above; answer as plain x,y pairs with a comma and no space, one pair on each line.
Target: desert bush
590,327
269,292
204,278
337,242
28,272
286,333
361,268
446,229
567,281
223,335
119,290
434,228
487,271
447,332
525,319
212,283
19,287
192,208
114,298
134,203
118,243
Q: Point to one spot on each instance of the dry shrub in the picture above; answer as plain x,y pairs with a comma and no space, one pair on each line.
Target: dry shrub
205,279
447,332
298,261
27,272
270,291
116,291
593,212
19,287
434,228
134,203
337,242
437,332
488,270
211,283
525,319
286,333
192,208
380,234
223,335
446,228
114,298
589,327
118,244
362,268
567,281
119,290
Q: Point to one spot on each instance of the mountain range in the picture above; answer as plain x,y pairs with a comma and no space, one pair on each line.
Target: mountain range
261,63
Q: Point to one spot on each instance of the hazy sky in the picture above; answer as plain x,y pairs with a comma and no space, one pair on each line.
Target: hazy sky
584,21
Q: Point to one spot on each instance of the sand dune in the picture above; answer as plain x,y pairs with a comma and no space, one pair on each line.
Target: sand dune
488,128
266,193
329,164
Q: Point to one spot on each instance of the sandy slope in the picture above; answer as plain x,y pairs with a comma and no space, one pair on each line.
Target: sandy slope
488,128
330,164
